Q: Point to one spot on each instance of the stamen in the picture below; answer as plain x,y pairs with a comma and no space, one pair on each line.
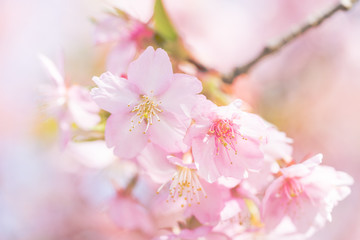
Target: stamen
225,133
292,188
186,185
145,111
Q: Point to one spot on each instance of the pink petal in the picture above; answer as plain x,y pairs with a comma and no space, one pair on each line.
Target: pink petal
93,154
273,210
180,162
204,157
141,10
252,125
313,162
250,153
304,168
278,145
82,108
156,165
127,144
302,211
168,133
120,57
208,211
195,233
230,164
130,215
197,130
181,96
56,74
113,94
230,210
151,72
64,131
111,29
217,236
203,108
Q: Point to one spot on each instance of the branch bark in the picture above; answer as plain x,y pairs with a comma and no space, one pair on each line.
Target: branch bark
275,46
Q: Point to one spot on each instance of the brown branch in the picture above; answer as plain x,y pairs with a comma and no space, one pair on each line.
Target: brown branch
273,47
198,65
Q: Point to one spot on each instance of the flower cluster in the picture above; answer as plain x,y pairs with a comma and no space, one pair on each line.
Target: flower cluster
174,164
220,171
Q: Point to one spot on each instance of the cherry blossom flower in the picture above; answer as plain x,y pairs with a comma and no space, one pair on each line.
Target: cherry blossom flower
125,36
153,104
178,177
67,103
197,233
306,193
225,140
130,215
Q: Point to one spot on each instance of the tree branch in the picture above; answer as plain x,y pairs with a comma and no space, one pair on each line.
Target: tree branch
275,46
198,65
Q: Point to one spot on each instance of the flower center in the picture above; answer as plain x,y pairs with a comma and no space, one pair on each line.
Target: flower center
145,111
292,188
185,184
224,132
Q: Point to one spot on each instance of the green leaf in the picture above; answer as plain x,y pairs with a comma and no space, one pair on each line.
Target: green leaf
163,25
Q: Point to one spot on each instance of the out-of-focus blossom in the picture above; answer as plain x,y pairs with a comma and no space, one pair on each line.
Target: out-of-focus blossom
92,154
67,103
306,193
125,36
225,140
130,215
153,104
138,9
213,38
197,233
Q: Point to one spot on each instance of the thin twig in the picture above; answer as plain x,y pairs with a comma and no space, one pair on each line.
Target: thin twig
131,185
272,47
198,65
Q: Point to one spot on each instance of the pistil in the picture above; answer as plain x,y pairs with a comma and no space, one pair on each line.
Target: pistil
225,133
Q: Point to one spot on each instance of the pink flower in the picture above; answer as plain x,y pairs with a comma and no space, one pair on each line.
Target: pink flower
128,214
240,213
178,175
197,233
67,104
125,36
306,193
152,105
184,187
225,140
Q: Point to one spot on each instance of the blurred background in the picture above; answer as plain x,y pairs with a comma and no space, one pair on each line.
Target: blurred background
310,90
